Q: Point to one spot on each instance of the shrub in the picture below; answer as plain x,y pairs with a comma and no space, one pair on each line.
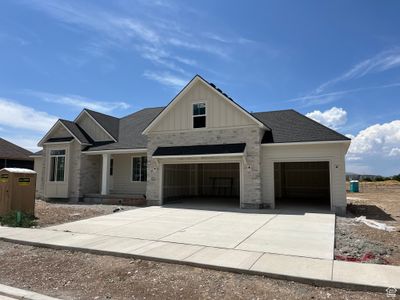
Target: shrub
396,177
379,178
10,219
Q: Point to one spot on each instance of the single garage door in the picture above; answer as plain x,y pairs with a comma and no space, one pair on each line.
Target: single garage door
302,183
213,182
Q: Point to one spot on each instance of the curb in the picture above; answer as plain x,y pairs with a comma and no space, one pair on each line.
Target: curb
17,293
316,282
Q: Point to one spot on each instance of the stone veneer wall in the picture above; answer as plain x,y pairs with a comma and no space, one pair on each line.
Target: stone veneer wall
250,135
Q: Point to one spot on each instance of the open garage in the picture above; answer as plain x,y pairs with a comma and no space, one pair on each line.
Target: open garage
302,183
202,183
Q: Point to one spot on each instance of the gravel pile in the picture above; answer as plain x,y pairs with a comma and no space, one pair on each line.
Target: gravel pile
352,247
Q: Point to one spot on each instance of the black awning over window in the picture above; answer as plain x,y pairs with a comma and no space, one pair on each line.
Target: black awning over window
200,150
58,140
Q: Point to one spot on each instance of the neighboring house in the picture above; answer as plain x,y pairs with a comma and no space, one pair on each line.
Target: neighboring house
13,156
201,145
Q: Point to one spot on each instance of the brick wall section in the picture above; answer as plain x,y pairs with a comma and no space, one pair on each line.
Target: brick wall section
250,135
74,171
90,174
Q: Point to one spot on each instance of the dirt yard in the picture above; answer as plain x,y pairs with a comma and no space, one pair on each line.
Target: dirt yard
76,275
359,242
50,213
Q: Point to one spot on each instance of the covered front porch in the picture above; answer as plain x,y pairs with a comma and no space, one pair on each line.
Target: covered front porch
121,177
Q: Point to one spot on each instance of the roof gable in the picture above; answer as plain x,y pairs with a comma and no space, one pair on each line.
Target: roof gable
210,95
107,123
66,127
130,131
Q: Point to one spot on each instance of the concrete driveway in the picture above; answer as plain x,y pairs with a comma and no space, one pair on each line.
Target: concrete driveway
307,235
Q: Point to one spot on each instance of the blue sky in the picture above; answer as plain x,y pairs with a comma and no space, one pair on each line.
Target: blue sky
336,61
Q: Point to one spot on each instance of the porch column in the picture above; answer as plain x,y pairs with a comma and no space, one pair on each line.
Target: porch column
105,179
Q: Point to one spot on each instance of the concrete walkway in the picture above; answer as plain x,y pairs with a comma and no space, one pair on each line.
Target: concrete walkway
269,244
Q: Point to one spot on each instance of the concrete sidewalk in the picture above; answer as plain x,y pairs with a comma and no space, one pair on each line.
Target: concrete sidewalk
297,268
9,292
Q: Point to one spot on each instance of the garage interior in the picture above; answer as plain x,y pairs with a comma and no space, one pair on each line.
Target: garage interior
202,184
302,184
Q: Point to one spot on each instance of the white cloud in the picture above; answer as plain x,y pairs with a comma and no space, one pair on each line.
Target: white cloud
383,61
80,101
315,99
155,39
394,152
166,78
334,117
15,115
382,139
376,149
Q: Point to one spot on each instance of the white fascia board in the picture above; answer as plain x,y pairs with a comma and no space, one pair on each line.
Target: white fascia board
40,144
115,151
199,155
183,92
94,120
305,143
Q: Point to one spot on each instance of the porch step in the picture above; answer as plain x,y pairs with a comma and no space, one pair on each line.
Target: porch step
116,199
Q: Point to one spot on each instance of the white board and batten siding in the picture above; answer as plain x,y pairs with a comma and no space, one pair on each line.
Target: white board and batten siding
122,175
334,153
219,113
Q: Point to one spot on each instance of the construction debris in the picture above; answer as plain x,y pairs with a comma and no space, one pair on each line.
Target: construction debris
374,224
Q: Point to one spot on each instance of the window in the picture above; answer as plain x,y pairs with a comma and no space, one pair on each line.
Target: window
199,115
111,167
139,168
57,165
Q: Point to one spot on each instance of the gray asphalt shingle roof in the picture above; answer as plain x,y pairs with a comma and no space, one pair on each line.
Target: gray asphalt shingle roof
77,131
9,150
109,123
130,131
289,126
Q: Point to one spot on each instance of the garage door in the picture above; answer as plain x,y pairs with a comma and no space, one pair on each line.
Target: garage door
211,181
302,182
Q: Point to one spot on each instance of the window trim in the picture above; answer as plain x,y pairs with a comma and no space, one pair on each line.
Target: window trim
131,175
65,165
205,115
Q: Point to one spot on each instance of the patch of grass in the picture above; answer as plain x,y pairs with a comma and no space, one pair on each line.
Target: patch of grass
11,220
